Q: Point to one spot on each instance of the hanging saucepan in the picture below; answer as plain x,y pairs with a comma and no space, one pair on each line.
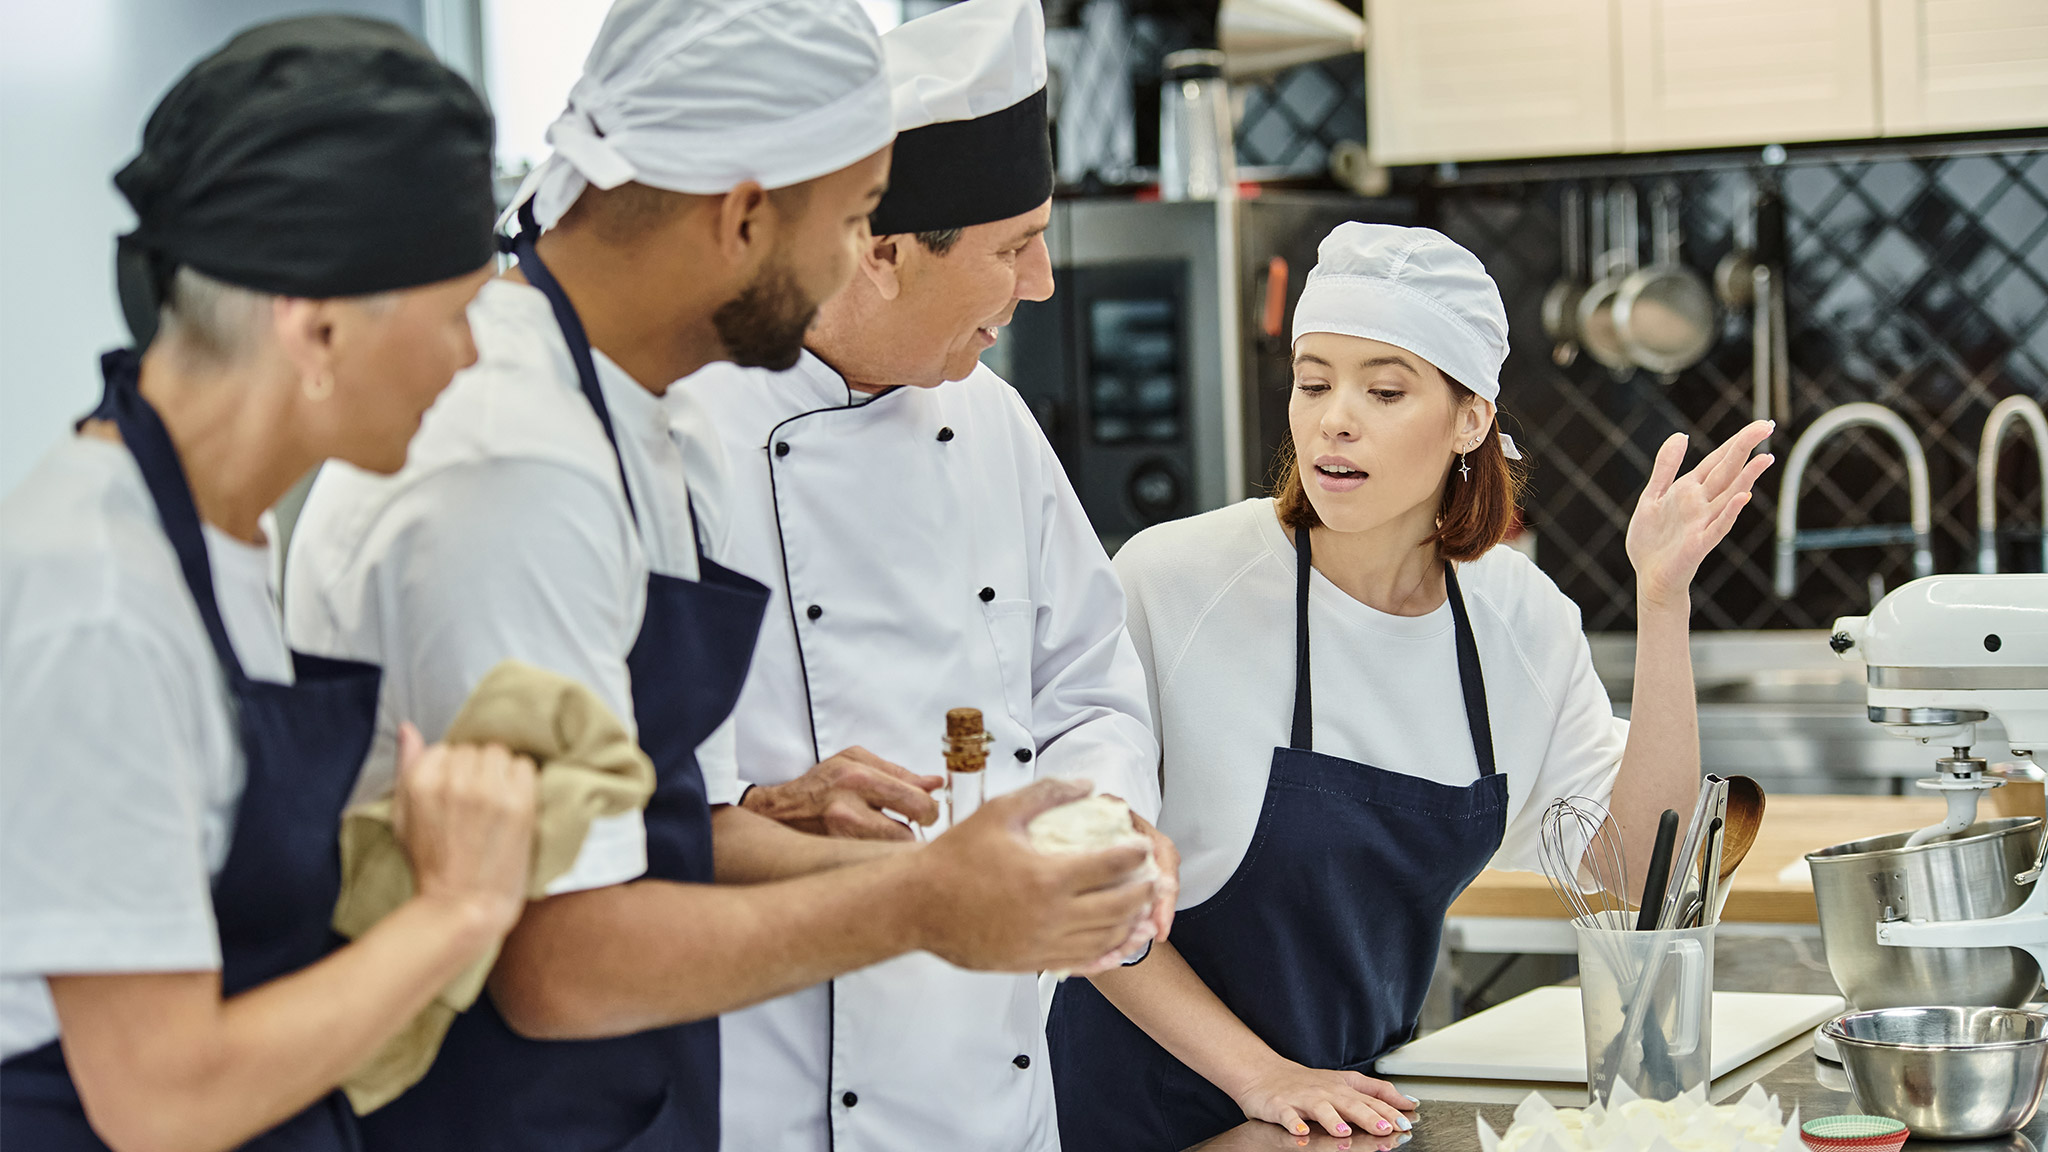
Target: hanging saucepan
1596,308
1734,276
1561,302
1664,314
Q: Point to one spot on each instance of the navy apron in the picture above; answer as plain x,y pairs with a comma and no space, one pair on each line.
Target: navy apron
302,744
492,1089
1324,939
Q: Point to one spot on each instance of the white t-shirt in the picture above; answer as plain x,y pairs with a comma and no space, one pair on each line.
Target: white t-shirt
506,536
120,768
1212,612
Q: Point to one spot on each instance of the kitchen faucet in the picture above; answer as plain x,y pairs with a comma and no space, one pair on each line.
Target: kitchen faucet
1791,541
2027,412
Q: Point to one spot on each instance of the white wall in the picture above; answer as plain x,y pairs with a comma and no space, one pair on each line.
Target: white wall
77,79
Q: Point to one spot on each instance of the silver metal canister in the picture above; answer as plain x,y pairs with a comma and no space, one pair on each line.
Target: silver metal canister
1962,877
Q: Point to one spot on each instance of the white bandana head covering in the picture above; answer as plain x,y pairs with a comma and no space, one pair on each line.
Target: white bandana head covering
1414,288
698,96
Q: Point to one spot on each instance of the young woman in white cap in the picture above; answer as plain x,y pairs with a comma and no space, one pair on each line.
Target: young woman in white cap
313,207
1454,698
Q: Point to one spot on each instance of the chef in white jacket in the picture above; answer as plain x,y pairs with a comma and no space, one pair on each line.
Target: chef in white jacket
924,552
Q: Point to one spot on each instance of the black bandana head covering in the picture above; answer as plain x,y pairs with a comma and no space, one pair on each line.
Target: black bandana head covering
320,156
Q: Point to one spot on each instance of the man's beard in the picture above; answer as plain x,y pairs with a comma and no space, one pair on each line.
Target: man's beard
764,326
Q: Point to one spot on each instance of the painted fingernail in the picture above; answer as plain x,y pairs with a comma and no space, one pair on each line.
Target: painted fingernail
1343,1129
1406,1124
1383,1126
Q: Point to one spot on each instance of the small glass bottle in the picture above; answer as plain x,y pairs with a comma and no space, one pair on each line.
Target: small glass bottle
967,743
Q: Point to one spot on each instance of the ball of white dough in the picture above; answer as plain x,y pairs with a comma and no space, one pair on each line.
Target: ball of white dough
1095,824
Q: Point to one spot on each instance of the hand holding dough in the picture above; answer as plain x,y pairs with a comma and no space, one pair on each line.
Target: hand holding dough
1096,824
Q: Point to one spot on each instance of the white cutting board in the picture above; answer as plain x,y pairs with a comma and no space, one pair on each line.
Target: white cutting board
1541,1035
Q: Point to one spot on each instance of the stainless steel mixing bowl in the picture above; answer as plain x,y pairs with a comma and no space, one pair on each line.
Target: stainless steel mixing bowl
1965,876
1949,1073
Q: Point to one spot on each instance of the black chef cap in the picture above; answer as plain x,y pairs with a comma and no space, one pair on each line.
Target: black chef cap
320,156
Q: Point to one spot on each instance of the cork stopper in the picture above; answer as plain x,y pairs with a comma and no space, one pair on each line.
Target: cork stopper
966,741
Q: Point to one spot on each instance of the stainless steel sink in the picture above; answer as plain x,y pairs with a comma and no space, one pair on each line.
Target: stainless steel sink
1787,686
1782,707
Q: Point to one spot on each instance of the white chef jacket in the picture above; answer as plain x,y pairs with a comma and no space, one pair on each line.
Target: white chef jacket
1212,614
925,552
506,536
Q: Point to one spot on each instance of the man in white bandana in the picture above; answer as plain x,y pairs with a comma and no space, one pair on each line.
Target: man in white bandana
926,553
711,182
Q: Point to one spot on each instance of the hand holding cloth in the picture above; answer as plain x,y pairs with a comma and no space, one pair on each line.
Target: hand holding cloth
590,767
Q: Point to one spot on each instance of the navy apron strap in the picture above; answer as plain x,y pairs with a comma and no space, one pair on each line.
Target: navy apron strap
537,274
142,430
696,534
1470,678
1303,736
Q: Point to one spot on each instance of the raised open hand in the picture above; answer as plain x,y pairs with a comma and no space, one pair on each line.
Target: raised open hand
1679,519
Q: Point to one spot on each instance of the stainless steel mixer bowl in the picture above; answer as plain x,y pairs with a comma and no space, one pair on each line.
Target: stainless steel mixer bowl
1949,1073
1965,876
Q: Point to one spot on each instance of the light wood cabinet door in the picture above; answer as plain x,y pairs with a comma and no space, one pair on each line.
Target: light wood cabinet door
1490,79
1704,73
1963,65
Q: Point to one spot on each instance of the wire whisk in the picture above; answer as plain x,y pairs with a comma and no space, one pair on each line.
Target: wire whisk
1579,840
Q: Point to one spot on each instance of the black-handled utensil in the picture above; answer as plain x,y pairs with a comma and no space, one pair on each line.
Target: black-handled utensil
1660,871
1710,863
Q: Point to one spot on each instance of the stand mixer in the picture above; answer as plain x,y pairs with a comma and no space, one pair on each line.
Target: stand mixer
1944,654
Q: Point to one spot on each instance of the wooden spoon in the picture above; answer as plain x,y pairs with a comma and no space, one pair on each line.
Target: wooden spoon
1745,816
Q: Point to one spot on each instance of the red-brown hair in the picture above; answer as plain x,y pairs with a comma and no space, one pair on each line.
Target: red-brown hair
1475,514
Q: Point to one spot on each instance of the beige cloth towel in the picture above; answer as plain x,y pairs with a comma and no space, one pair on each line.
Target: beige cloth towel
590,767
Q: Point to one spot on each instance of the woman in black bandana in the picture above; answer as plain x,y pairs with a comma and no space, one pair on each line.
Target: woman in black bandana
314,214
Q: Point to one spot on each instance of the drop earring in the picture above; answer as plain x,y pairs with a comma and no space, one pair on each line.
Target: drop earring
1464,470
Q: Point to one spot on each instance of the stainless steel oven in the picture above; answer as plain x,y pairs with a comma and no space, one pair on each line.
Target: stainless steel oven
1162,384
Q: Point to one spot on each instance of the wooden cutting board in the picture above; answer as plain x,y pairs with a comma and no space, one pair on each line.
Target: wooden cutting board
1761,892
1541,1036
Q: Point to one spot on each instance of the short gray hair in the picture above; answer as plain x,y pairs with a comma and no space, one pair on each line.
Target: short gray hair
941,242
222,322
216,320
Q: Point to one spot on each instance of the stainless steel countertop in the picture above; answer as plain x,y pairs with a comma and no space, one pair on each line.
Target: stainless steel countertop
1791,1073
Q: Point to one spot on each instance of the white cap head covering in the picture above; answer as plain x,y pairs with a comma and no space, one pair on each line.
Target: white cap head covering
1414,288
965,60
698,96
969,93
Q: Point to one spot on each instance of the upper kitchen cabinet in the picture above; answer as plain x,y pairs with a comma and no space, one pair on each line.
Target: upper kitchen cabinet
1708,73
1490,79
1963,65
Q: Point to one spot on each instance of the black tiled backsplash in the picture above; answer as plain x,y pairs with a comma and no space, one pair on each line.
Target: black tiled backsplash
1919,283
